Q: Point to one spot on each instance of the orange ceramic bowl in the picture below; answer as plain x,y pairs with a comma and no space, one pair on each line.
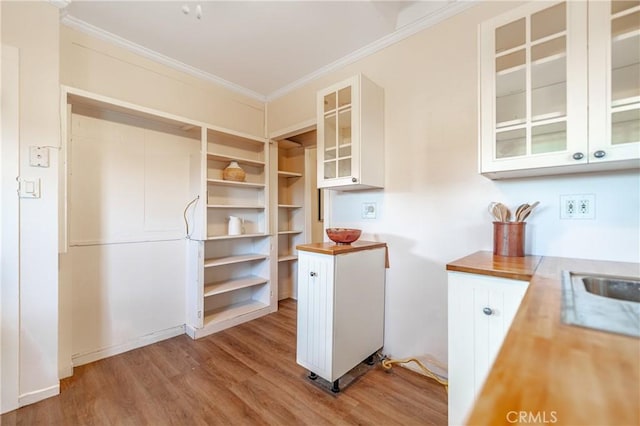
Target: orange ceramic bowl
343,235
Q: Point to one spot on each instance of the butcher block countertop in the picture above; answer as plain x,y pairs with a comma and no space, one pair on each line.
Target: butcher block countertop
549,372
334,249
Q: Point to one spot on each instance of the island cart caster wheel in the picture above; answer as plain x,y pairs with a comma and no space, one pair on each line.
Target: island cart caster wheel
312,375
369,360
336,386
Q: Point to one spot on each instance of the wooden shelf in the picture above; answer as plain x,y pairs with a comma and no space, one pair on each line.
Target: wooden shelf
233,206
288,258
233,237
222,182
230,260
232,311
289,232
223,157
284,173
231,285
289,206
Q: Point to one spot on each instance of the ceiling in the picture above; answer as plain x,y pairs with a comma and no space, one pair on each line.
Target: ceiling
260,48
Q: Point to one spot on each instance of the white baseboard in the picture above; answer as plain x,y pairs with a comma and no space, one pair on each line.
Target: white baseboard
157,336
39,395
66,371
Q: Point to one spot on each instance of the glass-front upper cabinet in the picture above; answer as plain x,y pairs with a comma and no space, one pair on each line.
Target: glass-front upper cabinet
351,135
560,88
614,87
534,87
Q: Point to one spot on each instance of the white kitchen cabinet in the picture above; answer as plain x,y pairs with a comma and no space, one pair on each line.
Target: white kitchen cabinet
229,278
481,309
340,307
351,135
560,89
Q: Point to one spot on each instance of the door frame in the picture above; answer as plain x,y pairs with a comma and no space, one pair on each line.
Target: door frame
10,232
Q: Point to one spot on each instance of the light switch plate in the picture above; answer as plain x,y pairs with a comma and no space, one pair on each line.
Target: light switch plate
38,156
29,188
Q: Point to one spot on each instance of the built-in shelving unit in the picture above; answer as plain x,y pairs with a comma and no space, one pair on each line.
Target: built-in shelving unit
232,274
289,160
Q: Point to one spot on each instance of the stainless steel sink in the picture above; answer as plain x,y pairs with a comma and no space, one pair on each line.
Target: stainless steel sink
602,302
612,287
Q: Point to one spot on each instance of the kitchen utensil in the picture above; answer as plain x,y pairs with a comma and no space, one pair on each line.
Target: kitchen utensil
527,211
519,210
502,213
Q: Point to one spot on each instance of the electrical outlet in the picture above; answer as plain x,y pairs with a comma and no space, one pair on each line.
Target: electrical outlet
368,210
578,206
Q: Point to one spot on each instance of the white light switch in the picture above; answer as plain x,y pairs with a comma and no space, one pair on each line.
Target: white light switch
38,156
29,188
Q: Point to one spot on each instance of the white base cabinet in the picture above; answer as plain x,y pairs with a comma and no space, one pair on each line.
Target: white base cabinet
340,310
481,309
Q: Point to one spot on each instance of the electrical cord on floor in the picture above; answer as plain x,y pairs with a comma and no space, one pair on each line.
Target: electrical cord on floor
388,363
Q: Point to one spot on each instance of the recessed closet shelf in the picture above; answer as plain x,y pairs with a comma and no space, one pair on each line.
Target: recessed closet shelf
234,206
287,174
233,237
222,182
241,160
288,258
289,232
229,260
220,287
232,311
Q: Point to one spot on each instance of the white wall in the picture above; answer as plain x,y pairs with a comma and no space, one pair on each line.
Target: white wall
433,208
39,125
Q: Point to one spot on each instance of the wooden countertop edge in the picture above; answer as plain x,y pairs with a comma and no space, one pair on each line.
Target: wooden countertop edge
485,263
547,368
499,274
335,249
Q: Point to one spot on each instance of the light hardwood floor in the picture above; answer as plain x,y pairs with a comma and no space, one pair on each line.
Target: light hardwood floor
246,375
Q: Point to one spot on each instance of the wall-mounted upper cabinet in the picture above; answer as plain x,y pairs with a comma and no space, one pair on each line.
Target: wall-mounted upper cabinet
560,89
351,135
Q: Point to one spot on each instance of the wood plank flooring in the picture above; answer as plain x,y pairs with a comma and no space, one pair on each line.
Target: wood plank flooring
246,375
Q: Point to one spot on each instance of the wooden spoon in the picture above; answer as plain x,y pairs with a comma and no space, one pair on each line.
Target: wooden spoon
526,212
519,210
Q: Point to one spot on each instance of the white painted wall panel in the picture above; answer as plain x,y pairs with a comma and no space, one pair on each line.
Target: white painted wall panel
126,183
122,292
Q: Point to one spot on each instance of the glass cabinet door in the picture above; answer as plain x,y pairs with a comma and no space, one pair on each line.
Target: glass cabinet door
625,72
530,89
614,69
531,84
337,133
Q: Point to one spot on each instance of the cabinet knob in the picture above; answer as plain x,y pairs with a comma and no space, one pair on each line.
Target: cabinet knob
354,180
599,154
578,156
313,274
487,311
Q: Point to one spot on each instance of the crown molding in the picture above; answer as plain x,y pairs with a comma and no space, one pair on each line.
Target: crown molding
60,4
99,33
451,9
408,30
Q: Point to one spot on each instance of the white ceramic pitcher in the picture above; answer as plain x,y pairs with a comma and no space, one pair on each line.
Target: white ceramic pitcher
235,225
